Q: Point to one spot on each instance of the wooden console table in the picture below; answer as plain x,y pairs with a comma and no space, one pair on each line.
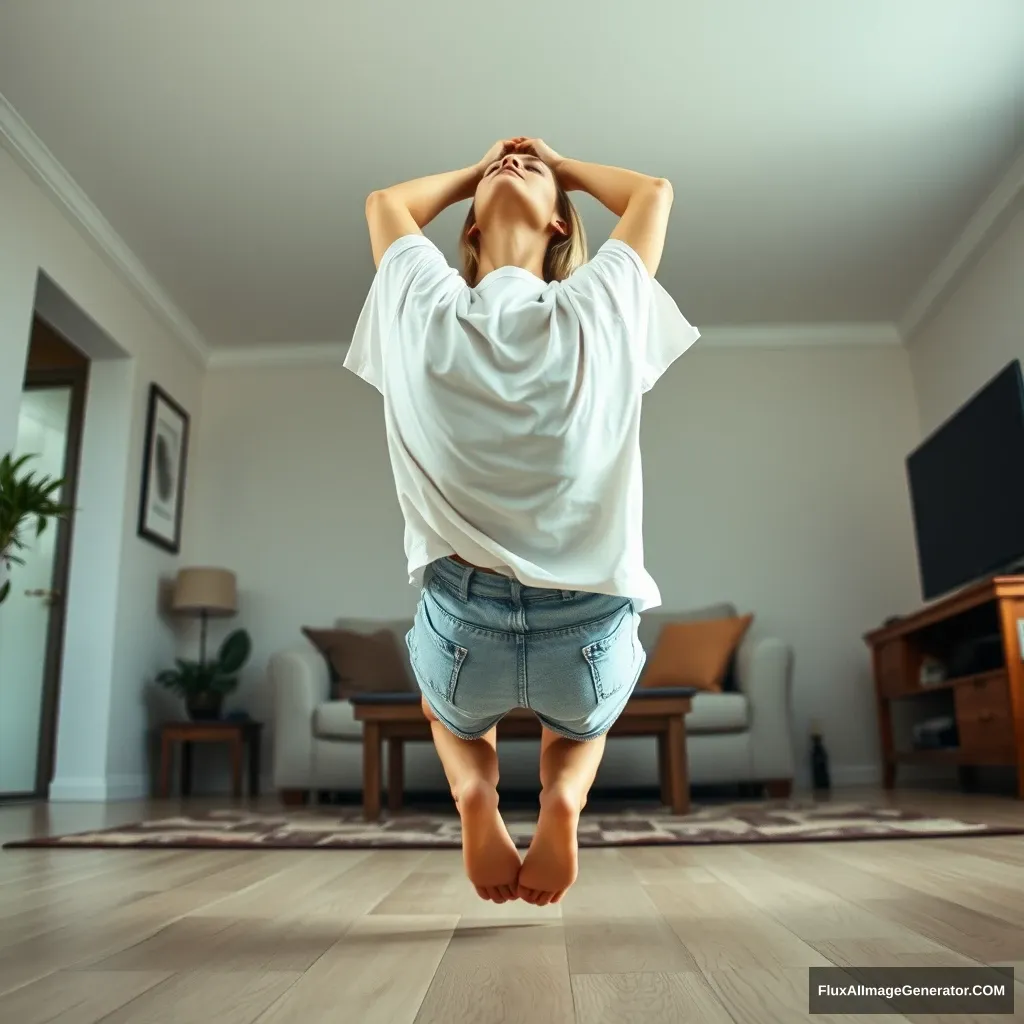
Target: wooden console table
975,634
399,718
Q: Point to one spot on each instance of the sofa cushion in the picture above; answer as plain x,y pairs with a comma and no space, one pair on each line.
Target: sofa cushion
361,662
398,628
651,624
696,653
718,712
333,720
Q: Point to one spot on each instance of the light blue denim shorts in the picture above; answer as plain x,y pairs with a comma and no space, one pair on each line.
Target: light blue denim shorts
483,644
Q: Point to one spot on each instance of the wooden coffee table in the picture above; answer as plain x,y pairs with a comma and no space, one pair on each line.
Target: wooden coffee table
398,718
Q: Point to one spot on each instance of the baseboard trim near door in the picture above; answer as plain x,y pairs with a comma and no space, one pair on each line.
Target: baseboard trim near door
105,789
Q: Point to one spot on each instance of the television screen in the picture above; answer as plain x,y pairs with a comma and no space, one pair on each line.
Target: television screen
967,488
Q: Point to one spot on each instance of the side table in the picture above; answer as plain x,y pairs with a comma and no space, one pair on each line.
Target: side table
238,735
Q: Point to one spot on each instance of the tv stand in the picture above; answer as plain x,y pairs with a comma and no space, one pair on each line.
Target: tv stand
965,650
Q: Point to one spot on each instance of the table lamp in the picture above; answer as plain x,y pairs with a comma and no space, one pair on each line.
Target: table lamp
206,592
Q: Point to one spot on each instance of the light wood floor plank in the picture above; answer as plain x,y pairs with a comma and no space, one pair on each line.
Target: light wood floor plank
82,941
722,930
238,997
377,974
990,887
890,952
808,911
762,996
501,968
617,929
655,998
224,944
69,997
983,938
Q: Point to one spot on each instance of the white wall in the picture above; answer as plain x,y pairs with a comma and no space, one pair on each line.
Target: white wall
774,479
116,639
977,330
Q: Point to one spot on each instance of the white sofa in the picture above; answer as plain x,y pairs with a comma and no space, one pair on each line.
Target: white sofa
742,737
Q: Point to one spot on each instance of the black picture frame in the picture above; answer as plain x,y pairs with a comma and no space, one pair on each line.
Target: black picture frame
164,470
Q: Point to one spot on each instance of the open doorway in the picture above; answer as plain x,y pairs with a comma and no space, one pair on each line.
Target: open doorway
50,424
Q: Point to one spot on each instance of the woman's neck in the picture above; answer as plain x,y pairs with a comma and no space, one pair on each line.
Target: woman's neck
513,246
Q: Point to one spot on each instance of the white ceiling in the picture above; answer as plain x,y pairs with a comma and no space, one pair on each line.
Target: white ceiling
825,155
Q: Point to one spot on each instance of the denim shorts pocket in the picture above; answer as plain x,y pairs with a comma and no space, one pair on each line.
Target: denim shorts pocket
613,659
435,659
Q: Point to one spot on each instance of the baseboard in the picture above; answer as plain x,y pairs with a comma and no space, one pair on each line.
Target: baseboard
106,789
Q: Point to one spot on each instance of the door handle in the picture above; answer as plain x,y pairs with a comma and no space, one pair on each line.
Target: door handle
50,597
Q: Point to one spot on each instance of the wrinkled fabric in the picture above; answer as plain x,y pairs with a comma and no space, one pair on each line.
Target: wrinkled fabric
513,412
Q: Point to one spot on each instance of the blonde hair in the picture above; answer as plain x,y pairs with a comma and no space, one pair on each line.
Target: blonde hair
565,252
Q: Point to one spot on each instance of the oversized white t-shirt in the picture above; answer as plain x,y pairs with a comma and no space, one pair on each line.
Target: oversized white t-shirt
513,411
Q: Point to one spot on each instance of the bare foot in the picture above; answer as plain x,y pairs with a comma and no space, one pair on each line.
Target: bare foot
552,862
491,858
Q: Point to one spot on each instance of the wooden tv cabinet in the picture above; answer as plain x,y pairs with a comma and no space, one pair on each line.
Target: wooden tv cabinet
973,636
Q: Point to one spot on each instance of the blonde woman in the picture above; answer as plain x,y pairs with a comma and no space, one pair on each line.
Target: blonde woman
512,395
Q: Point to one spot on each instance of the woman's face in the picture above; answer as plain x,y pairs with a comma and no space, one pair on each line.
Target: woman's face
520,183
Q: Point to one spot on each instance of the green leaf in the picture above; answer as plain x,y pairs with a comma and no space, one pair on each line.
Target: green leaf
5,590
234,652
26,498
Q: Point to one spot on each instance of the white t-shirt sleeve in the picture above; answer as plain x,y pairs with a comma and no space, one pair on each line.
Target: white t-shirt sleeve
618,280
410,271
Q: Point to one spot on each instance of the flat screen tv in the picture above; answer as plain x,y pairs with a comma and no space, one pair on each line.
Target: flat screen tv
967,488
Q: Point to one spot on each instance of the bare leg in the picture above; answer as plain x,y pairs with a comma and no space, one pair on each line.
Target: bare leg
567,771
471,766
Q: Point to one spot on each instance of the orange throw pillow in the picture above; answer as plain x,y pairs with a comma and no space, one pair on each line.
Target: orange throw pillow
695,653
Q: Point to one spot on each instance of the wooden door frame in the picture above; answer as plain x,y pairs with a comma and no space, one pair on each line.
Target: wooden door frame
77,379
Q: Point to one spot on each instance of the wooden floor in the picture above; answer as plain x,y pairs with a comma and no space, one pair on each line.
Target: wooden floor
716,934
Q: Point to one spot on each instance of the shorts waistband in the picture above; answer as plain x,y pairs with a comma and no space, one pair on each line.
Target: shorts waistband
465,579
470,565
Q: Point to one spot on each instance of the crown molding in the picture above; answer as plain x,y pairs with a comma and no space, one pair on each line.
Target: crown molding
324,353
978,232
32,154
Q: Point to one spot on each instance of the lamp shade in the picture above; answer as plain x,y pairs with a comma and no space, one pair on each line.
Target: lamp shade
204,589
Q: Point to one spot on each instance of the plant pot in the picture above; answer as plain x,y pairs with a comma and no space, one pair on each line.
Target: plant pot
205,707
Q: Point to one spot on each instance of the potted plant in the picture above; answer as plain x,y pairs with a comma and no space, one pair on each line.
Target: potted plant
27,504
204,684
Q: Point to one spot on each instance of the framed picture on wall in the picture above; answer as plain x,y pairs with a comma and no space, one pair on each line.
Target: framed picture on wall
163,471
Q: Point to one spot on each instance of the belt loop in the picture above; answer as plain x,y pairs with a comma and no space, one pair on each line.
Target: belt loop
567,595
467,575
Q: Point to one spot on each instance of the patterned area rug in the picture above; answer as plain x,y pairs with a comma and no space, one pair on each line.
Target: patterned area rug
762,822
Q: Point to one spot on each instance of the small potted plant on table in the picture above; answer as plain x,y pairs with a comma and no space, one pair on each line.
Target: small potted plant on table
203,685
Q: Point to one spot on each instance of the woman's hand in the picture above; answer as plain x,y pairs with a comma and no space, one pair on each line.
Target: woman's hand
497,151
539,148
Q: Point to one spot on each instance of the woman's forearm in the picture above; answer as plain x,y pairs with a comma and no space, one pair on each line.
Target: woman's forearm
611,186
426,197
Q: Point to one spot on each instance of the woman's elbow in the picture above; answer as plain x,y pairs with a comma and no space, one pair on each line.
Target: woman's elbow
663,187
